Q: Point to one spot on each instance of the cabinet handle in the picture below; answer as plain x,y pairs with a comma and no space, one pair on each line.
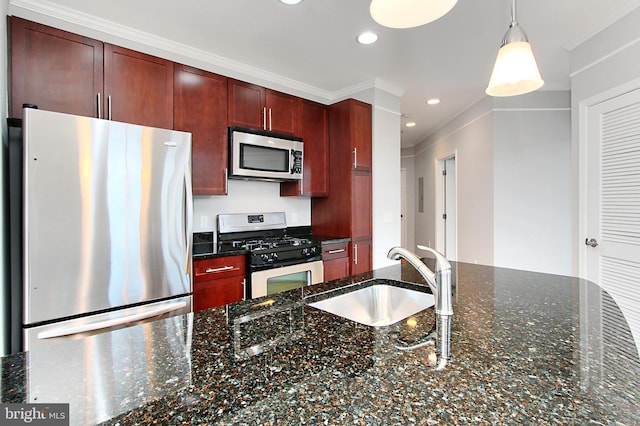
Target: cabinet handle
336,251
355,158
244,289
270,120
221,269
99,106
355,254
109,107
264,118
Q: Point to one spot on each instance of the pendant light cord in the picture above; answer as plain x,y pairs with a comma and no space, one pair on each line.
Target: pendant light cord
514,20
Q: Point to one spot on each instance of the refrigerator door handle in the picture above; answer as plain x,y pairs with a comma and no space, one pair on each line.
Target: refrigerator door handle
189,218
66,331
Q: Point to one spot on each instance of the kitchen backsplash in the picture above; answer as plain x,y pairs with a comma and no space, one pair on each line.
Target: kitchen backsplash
249,197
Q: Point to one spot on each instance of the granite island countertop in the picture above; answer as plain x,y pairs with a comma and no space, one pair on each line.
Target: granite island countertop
526,348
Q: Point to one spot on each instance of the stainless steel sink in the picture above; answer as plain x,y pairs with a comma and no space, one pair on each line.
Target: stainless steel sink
377,305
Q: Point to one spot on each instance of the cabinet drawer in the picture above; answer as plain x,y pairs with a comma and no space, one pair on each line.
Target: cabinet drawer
334,251
220,267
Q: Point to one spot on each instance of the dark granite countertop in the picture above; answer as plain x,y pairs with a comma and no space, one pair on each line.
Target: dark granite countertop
526,348
216,254
326,239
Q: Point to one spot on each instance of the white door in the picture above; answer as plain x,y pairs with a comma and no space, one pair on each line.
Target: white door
450,209
403,208
611,254
446,223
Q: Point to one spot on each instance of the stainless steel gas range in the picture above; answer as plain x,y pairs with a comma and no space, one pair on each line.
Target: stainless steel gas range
277,261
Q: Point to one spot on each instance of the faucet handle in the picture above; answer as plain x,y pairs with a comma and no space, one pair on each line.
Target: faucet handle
441,262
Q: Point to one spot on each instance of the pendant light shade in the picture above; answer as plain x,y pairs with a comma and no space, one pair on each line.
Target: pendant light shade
515,71
408,13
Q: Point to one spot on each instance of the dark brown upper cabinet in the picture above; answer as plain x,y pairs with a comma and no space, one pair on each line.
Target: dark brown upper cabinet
53,69
65,72
200,107
256,107
138,87
314,130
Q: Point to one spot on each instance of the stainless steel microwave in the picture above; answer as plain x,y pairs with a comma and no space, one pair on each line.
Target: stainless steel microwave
263,156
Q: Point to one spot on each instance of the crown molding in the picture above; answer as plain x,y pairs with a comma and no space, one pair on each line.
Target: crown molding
92,26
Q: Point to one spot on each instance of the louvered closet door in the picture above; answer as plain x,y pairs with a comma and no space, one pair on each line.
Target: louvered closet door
613,201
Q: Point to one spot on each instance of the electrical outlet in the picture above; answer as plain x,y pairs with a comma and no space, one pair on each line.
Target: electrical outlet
204,221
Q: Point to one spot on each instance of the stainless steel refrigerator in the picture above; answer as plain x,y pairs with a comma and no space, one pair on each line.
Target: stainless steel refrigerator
107,232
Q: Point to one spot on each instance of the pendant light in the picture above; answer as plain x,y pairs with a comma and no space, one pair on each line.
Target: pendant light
515,71
408,13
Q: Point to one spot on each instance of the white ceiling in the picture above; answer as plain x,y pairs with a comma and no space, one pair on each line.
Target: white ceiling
314,43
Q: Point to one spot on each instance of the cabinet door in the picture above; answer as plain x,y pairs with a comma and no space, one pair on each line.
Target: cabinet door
336,268
246,105
361,222
53,69
282,112
200,107
336,260
219,292
361,256
314,130
361,134
139,87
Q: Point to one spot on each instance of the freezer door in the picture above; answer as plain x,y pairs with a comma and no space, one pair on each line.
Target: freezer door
105,373
107,216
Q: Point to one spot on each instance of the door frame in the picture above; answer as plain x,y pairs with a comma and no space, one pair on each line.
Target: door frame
582,182
403,208
439,200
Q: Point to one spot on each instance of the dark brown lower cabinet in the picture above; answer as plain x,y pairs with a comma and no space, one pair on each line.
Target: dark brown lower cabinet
361,251
218,281
335,259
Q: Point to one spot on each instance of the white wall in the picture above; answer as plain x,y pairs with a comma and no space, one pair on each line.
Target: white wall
532,182
250,197
3,135
470,136
386,227
513,182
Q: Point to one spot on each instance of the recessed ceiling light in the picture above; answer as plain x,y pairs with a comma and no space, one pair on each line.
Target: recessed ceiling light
291,2
367,38
433,101
411,124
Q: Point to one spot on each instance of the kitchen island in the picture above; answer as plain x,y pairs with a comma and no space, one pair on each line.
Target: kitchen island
526,348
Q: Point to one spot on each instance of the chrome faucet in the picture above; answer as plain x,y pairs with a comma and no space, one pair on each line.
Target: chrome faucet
440,284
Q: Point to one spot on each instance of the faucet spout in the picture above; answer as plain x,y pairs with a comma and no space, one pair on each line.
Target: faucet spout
440,284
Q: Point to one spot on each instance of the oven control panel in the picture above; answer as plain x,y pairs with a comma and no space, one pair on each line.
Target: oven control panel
284,256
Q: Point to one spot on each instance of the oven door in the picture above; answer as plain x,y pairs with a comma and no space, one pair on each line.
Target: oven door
276,280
